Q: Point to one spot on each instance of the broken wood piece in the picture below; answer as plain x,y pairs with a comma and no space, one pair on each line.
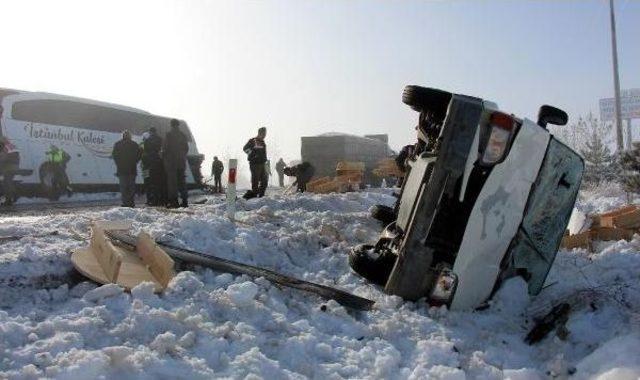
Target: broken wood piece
607,219
159,263
581,240
106,254
609,234
106,263
629,219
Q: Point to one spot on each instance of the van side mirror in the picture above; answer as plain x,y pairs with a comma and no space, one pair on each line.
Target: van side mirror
551,115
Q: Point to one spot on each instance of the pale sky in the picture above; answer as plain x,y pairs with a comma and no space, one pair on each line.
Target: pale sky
304,67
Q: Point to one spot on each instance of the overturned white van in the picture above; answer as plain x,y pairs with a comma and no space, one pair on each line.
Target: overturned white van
32,122
487,196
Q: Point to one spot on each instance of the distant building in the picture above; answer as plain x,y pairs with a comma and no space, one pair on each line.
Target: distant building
326,150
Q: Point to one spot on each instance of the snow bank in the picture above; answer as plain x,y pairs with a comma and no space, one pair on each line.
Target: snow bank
53,324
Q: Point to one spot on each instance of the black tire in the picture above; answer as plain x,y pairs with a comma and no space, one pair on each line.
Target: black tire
384,214
372,265
48,182
424,98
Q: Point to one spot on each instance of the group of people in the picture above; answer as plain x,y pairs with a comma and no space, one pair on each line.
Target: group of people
163,167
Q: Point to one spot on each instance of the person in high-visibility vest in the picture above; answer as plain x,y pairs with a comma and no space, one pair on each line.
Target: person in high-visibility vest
59,159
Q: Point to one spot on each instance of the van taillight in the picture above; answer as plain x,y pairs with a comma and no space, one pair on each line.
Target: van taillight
502,127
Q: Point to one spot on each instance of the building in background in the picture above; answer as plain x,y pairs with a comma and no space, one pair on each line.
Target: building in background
326,150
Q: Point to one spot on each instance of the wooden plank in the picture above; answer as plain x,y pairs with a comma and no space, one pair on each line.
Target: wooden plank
159,263
586,239
106,254
627,220
225,265
316,183
620,211
581,240
607,219
350,165
611,234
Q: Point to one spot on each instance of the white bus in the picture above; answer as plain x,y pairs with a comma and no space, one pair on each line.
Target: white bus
33,122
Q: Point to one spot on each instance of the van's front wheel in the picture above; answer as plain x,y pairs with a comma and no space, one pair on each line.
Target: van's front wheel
372,264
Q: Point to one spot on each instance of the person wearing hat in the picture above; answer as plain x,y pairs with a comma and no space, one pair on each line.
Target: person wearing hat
152,167
126,153
174,155
217,167
256,150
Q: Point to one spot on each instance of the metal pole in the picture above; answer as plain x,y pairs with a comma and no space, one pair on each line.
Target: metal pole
616,80
231,188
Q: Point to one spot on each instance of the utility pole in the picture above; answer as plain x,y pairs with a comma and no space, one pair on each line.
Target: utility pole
616,79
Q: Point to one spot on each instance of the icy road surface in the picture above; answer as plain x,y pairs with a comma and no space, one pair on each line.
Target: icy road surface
208,324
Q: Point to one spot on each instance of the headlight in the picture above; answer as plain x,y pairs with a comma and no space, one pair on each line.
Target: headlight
501,127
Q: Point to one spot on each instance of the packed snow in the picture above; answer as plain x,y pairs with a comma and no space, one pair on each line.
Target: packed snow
55,324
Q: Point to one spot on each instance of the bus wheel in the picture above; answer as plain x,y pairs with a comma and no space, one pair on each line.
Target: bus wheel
48,181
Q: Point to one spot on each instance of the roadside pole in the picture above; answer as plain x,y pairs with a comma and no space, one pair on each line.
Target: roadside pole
231,189
616,79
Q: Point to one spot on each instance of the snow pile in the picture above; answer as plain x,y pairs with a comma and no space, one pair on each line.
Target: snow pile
207,324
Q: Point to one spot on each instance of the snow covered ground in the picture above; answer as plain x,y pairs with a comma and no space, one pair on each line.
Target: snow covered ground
208,324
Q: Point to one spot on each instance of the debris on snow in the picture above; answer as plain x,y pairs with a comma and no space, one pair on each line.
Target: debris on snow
195,330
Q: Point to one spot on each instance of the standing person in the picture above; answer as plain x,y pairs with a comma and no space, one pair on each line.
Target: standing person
126,153
8,166
58,158
152,163
280,165
217,167
174,154
146,179
256,151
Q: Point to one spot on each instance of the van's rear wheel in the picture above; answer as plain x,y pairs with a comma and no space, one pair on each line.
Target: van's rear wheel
371,264
385,214
424,98
48,181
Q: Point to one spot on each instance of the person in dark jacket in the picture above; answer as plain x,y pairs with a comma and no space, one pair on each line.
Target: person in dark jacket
126,153
217,167
174,154
280,165
256,151
152,163
8,166
303,173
